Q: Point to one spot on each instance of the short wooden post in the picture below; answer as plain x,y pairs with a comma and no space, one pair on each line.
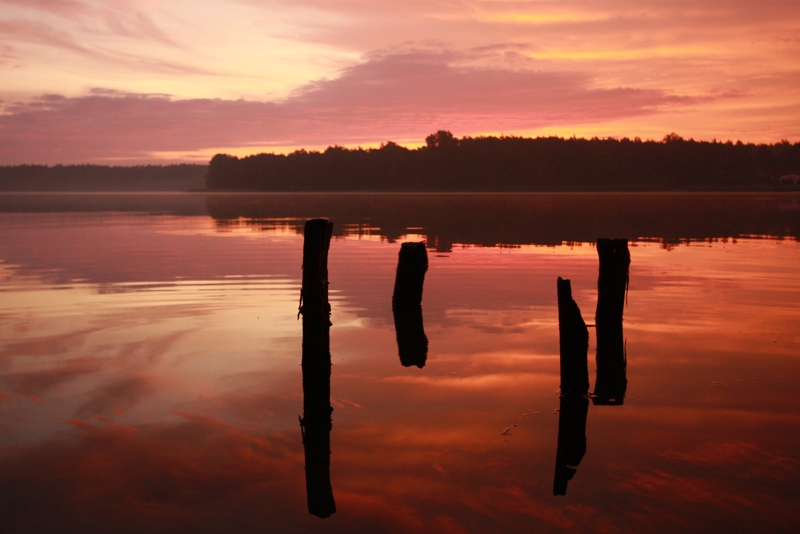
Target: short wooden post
612,285
412,343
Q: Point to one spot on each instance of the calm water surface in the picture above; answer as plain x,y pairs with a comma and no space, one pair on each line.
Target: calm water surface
150,375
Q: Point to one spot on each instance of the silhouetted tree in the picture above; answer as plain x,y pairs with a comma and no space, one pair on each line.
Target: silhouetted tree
442,138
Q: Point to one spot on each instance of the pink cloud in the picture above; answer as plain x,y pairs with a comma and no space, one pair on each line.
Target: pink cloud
8,55
575,24
57,7
38,33
42,34
114,18
399,95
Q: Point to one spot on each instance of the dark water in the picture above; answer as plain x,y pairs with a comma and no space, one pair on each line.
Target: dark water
150,376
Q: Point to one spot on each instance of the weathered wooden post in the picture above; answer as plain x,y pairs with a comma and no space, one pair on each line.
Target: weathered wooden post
573,404
316,422
412,343
573,343
612,285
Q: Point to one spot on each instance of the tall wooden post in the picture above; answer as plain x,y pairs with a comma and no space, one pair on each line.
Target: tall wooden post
573,343
316,422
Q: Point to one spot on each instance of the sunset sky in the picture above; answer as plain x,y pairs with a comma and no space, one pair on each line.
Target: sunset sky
146,81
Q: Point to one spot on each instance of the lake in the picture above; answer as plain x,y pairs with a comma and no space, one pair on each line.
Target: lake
151,378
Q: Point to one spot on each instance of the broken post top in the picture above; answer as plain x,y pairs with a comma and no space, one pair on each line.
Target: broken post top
564,289
414,254
569,314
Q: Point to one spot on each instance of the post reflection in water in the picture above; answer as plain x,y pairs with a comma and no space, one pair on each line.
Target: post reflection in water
574,403
612,285
412,343
316,422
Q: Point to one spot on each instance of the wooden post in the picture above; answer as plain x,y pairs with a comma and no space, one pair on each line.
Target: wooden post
412,343
612,285
573,404
573,343
316,422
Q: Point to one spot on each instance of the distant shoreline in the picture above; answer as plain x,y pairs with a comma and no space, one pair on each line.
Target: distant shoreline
450,165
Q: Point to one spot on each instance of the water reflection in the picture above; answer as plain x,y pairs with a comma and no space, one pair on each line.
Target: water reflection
149,380
449,218
316,422
412,343
511,219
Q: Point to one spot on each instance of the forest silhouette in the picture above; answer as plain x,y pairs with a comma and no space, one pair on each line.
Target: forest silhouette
447,163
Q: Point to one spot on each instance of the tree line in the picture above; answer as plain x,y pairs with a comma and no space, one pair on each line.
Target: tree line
447,163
